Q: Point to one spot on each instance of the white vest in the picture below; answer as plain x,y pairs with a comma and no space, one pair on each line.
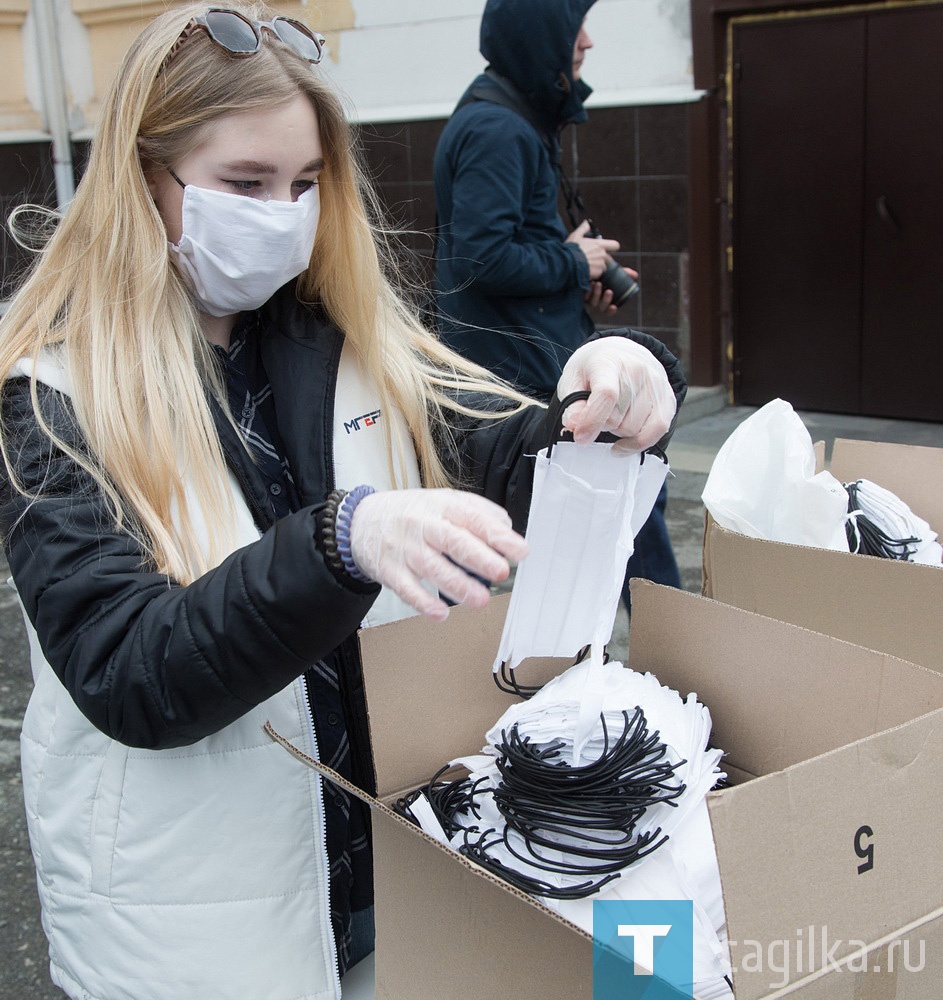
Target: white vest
360,455
191,874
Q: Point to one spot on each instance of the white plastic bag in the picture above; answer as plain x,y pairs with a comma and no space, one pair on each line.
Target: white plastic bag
763,483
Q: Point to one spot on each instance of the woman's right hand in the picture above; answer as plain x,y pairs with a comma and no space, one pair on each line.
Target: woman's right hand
401,537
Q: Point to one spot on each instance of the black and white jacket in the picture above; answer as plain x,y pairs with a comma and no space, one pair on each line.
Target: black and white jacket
177,847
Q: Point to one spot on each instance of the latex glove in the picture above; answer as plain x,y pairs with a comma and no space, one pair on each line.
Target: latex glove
401,537
630,394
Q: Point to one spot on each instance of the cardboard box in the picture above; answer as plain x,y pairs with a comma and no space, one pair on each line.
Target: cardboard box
823,738
883,604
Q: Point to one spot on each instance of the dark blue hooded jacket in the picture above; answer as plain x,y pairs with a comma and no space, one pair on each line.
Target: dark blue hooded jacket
509,290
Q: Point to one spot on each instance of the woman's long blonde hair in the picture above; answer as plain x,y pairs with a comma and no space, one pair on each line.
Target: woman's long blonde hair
105,296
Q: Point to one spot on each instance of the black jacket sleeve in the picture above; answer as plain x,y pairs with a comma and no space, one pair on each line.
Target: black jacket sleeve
149,662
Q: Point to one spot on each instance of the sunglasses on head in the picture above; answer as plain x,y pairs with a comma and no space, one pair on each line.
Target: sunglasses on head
241,36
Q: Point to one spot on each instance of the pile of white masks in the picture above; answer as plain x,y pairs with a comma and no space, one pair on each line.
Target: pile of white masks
574,722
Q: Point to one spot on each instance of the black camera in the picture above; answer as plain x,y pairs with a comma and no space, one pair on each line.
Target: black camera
615,278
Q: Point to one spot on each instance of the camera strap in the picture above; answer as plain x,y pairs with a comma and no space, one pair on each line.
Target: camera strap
574,201
506,94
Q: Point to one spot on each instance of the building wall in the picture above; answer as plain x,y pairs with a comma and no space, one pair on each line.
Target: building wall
396,60
16,111
631,165
407,60
92,37
401,66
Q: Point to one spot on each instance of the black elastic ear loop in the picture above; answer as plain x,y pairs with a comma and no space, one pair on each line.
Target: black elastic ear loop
542,799
584,652
558,431
547,799
478,852
447,799
506,680
866,538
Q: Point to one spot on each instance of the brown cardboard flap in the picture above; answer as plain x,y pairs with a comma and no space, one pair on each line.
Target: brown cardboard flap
706,568
790,842
912,472
883,604
904,965
322,769
838,842
431,694
387,810
777,694
446,936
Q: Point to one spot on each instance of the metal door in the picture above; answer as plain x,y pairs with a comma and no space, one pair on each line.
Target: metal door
837,298
902,278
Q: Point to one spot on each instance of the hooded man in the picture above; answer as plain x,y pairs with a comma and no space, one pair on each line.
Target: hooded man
511,281
512,284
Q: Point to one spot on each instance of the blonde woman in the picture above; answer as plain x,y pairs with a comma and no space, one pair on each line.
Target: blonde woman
208,348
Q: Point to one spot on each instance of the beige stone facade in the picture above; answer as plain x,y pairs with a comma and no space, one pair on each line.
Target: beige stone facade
92,36
16,112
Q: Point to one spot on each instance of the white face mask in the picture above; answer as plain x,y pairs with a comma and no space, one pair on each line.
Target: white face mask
236,252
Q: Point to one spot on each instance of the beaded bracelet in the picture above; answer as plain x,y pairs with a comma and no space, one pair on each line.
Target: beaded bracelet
335,529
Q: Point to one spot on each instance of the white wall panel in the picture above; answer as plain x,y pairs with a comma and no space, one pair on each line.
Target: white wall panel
370,13
407,71
412,59
639,44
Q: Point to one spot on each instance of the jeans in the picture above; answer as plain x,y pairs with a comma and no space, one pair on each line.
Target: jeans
361,935
653,558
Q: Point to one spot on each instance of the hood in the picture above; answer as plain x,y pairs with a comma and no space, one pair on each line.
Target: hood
530,42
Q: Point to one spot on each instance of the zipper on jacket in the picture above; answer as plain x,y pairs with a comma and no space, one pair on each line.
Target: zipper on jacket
263,520
313,736
333,374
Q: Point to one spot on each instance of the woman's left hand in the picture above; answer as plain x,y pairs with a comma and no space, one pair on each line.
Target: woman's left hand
629,393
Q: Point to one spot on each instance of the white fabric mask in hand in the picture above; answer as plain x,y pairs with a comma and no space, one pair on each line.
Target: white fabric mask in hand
236,252
589,502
